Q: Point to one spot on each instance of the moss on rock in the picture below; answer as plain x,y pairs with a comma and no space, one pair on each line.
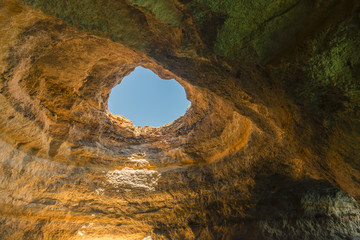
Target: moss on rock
333,69
164,10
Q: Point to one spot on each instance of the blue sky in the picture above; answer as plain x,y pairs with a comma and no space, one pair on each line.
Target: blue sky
147,100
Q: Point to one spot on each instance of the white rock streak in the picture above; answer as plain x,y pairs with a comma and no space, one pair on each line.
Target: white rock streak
133,178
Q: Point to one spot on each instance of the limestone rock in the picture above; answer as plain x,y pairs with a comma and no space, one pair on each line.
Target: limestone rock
269,148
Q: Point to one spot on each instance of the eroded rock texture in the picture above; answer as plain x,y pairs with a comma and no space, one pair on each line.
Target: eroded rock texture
268,150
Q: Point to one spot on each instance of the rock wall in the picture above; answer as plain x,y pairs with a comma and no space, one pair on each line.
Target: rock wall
269,148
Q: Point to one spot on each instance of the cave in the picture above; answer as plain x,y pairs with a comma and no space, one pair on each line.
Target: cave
268,149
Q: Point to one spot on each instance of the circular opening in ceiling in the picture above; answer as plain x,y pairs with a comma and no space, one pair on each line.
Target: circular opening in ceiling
147,100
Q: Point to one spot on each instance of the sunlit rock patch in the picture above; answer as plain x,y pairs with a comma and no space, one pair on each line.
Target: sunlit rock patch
130,178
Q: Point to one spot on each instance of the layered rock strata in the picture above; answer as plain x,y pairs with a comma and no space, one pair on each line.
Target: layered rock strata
246,161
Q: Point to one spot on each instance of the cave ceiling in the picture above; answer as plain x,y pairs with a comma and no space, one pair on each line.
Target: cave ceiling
269,149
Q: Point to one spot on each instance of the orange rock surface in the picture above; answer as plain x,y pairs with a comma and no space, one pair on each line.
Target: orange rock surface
242,163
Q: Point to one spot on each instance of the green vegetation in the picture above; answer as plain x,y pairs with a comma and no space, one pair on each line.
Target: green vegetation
240,36
254,31
109,18
165,10
333,87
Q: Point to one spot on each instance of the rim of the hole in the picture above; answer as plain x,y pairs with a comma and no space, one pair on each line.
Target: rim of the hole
162,77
